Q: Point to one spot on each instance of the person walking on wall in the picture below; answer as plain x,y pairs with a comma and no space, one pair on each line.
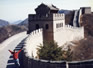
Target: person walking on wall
15,56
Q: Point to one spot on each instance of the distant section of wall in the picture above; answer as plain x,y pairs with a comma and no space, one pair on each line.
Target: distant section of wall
68,33
86,10
69,18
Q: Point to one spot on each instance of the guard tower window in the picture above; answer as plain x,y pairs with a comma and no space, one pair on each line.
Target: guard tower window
47,26
57,25
61,24
37,26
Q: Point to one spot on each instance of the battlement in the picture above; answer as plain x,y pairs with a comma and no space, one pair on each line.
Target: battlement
58,16
69,26
36,32
54,16
34,38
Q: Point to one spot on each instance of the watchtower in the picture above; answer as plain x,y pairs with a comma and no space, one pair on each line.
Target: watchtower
48,18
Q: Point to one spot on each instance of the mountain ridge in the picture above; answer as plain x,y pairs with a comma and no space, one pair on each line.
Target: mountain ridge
3,23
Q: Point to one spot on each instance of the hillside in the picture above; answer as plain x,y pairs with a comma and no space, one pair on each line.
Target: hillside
87,22
17,22
3,23
83,49
24,23
7,31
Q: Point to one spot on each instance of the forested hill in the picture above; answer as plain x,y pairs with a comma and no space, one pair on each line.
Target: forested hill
3,23
7,31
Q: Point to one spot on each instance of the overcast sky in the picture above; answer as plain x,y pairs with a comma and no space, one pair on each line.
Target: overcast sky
13,10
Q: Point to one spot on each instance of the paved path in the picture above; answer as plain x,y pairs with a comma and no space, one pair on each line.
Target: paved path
14,42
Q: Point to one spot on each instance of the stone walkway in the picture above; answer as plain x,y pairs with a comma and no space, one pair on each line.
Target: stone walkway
14,42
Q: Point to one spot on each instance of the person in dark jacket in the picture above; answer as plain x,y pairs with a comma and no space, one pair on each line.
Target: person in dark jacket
15,56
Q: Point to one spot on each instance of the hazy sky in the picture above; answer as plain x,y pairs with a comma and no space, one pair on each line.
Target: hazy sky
13,10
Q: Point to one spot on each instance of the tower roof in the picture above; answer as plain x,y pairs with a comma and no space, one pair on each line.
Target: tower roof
51,7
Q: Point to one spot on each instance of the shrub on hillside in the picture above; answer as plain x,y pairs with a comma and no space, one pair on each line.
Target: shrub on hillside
51,51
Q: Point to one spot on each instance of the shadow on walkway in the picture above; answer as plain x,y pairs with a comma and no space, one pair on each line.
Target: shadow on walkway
10,63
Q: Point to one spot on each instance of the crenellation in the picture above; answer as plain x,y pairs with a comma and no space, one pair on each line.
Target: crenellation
40,17
58,16
54,16
35,32
71,27
31,42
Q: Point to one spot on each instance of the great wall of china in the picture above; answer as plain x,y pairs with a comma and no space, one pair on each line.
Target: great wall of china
61,35
31,43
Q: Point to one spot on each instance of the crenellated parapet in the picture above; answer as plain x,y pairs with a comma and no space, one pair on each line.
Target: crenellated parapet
54,16
58,16
32,41
71,27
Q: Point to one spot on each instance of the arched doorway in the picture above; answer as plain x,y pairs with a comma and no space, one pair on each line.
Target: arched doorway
37,26
47,26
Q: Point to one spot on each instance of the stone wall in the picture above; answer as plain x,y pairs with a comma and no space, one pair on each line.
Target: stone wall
34,39
69,18
38,63
60,35
68,33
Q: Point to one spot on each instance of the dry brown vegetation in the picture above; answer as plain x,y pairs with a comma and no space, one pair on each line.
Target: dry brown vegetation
83,49
7,31
87,22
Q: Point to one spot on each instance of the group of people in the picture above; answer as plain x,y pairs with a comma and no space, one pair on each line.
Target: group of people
15,56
